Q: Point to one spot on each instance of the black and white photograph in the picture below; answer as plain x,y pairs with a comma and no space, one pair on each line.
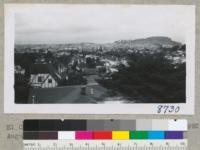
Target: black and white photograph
101,54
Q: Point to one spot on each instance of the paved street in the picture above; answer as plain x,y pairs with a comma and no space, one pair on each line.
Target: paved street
91,79
70,94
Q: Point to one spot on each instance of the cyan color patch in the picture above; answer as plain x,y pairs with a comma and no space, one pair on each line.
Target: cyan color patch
156,135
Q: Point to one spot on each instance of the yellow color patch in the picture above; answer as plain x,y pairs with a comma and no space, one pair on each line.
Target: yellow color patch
120,135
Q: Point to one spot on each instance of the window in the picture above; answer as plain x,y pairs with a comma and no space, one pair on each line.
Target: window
50,81
40,79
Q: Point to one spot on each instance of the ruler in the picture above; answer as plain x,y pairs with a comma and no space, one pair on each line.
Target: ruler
105,144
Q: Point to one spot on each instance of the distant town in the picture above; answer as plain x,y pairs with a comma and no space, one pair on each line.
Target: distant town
150,70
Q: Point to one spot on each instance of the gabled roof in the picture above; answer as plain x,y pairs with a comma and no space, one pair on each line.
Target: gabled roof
45,69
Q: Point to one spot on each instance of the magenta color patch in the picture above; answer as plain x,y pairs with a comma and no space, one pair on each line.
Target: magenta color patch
84,135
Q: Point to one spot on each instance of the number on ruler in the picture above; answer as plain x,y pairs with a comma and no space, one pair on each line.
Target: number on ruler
107,145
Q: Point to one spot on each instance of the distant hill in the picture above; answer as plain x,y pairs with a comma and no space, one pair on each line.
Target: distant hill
148,43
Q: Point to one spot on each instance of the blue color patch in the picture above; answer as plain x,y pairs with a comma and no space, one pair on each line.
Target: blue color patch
156,135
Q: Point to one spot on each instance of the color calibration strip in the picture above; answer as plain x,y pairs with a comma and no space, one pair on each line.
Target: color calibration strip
104,129
104,135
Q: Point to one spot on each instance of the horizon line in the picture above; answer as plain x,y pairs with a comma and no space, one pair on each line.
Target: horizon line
39,43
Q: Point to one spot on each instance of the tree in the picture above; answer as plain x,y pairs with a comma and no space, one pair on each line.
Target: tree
90,62
150,78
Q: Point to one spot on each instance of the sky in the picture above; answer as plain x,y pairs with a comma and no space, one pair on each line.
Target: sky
51,24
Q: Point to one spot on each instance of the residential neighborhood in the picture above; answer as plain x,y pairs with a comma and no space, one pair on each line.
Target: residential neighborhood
87,72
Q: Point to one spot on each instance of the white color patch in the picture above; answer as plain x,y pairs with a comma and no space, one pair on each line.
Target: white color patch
177,125
66,135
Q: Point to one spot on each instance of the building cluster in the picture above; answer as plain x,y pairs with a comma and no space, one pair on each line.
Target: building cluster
53,65
49,70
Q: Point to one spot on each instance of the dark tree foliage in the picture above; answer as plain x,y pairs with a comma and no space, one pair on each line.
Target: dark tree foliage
21,89
151,78
25,60
65,59
74,79
90,62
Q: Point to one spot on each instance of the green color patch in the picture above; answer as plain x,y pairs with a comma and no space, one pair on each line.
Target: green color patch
138,134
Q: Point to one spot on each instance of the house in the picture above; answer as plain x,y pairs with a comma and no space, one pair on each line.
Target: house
62,52
44,76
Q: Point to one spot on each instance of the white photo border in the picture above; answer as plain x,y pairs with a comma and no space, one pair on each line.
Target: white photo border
138,108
